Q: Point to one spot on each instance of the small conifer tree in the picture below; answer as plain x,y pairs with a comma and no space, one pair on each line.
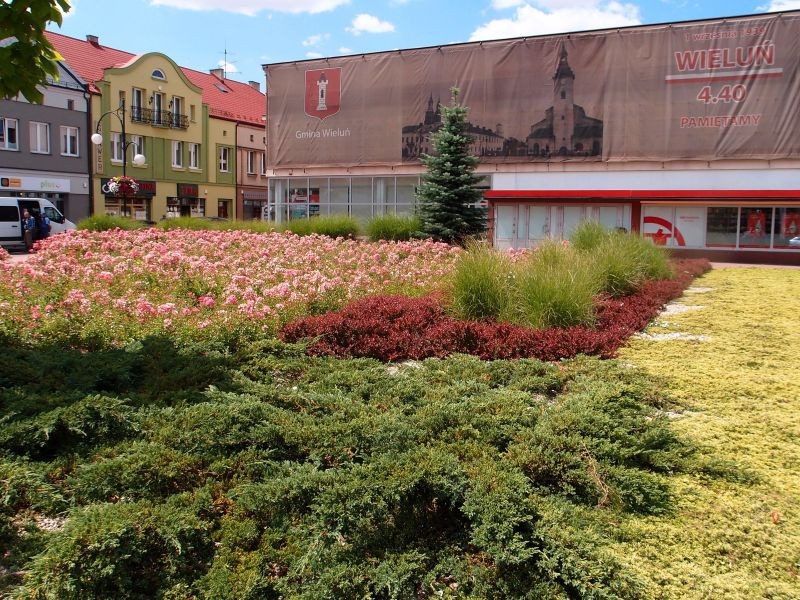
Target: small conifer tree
448,195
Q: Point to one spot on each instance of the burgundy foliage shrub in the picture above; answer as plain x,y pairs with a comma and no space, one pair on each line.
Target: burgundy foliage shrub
394,328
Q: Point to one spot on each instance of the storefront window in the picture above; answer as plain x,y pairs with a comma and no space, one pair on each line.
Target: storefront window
787,228
721,226
255,209
383,194
137,208
361,194
755,228
340,195
406,194
319,202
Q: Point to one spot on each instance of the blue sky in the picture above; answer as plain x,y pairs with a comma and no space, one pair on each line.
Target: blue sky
196,33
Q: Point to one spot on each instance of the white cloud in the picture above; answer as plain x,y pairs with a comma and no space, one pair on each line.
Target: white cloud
313,55
369,24
313,40
252,7
344,50
780,5
229,67
558,16
502,4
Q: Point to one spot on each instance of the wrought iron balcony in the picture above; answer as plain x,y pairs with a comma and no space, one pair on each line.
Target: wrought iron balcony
159,118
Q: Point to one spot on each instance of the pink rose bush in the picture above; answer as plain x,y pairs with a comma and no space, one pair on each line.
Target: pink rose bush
116,286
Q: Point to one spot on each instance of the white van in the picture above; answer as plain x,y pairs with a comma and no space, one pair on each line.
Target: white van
11,218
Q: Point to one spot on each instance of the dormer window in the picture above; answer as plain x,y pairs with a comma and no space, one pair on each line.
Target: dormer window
158,74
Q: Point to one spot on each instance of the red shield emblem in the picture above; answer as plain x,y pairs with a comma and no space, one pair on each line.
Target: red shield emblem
323,92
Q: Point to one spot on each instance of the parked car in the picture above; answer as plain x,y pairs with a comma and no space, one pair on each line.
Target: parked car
795,242
11,219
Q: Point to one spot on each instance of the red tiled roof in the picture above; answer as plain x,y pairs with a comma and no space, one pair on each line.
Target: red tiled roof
241,102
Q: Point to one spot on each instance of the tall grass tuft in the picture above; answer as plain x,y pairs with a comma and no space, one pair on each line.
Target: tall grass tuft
589,235
392,227
188,223
480,287
555,287
625,261
333,226
108,222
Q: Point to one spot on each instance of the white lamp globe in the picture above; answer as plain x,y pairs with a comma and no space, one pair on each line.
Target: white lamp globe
97,139
138,159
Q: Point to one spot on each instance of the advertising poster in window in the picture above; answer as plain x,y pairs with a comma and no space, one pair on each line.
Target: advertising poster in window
727,88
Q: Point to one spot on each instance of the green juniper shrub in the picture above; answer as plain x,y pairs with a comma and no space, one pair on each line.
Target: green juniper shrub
392,228
109,222
126,551
309,478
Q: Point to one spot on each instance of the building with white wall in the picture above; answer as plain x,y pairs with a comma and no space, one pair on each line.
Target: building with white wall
686,132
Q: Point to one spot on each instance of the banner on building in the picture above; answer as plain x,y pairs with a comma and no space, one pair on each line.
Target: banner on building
699,90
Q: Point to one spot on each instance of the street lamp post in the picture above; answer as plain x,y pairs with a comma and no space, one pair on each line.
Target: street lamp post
97,139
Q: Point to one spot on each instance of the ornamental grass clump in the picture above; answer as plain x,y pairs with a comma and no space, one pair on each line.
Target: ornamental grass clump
333,226
187,223
588,236
481,284
109,222
555,287
625,262
392,228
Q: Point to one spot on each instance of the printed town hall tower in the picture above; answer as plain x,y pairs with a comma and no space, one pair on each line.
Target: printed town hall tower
565,130
563,105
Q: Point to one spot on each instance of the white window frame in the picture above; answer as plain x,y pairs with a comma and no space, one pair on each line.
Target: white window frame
69,141
224,159
194,156
263,163
251,162
38,140
177,154
137,102
7,126
137,141
158,109
115,150
177,110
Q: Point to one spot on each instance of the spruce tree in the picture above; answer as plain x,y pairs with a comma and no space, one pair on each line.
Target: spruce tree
448,194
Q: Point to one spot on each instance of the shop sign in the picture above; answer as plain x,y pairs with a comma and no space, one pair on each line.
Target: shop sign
146,188
35,184
187,190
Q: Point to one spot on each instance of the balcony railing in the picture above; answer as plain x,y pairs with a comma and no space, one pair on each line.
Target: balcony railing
159,118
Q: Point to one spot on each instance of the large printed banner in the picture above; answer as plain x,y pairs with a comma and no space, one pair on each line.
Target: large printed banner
701,90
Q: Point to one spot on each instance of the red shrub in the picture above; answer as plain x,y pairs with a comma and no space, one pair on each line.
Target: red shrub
393,328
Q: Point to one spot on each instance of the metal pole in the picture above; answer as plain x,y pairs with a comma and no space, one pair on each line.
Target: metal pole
124,157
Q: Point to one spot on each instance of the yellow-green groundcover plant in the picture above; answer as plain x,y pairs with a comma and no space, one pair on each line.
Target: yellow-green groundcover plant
730,354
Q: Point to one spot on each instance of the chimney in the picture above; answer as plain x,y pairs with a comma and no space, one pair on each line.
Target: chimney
218,73
255,85
93,39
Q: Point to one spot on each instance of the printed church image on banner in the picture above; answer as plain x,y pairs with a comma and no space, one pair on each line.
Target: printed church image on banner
565,131
417,138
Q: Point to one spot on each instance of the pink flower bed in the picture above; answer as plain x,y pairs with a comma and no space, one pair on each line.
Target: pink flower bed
122,284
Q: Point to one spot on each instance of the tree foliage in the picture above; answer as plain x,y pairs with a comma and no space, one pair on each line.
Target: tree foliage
448,193
26,57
